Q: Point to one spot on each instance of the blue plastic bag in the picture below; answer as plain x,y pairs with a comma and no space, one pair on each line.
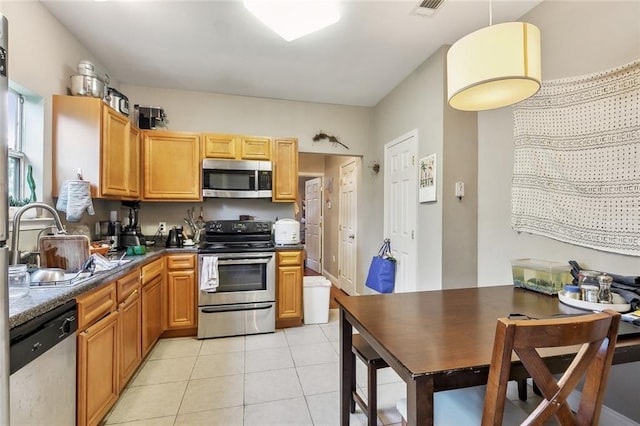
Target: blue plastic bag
382,272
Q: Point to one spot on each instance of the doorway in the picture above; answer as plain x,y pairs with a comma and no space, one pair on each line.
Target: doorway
326,167
310,219
348,226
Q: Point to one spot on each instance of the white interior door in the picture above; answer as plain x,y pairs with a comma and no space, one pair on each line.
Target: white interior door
347,226
400,207
313,223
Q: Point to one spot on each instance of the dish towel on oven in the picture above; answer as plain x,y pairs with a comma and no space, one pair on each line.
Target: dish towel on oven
209,273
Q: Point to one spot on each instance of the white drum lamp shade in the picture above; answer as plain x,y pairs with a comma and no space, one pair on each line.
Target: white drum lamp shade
494,67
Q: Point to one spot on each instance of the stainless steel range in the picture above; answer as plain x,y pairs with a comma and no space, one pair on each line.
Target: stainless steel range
236,261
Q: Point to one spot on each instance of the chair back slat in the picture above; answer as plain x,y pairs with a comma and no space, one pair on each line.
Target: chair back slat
595,332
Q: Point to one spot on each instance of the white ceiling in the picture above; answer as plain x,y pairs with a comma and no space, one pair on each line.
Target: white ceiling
218,46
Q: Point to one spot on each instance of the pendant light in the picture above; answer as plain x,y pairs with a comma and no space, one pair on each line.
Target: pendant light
494,67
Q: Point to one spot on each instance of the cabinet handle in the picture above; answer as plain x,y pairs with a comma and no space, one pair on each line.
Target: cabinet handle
128,299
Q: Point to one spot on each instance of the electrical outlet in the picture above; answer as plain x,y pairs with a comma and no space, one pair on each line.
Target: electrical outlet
162,227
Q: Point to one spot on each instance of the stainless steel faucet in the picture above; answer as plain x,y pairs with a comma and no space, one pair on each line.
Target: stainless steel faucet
15,235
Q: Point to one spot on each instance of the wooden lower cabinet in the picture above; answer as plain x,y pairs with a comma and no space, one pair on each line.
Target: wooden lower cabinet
151,313
130,334
181,292
98,386
289,289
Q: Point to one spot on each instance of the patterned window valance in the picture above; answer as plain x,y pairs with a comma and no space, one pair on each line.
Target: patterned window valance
576,174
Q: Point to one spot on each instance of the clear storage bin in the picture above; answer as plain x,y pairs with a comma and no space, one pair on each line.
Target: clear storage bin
543,276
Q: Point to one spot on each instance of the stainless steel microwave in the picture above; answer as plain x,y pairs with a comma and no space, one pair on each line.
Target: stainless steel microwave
236,179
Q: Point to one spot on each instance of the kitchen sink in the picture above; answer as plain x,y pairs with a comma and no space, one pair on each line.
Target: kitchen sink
56,277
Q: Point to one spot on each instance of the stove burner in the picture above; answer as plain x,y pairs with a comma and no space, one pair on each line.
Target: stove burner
227,236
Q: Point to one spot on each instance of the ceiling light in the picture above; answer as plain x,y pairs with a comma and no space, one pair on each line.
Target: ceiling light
494,67
293,19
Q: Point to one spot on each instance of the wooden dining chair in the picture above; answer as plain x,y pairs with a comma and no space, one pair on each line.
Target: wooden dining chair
361,349
595,333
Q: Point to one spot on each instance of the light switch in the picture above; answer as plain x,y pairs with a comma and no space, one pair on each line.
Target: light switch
459,189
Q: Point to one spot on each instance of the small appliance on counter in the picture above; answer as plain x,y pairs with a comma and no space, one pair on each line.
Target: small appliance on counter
175,238
131,234
286,231
110,232
150,117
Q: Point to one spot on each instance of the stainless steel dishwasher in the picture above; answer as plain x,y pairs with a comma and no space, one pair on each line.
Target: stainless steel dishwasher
43,369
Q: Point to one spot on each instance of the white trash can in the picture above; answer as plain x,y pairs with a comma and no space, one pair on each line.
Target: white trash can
316,299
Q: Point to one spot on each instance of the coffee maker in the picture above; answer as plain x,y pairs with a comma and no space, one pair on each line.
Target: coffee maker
110,231
131,234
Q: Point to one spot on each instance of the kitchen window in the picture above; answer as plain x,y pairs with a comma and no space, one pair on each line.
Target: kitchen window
17,159
25,132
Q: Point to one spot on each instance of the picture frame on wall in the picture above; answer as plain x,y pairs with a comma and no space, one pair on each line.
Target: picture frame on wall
427,179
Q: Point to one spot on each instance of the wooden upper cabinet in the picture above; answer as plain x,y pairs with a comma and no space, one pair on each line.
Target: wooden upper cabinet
135,180
236,147
255,148
89,135
285,170
171,164
219,146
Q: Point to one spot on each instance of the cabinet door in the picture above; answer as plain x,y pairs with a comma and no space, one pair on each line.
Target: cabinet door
285,170
76,133
130,337
115,154
255,148
151,313
96,304
134,163
289,298
220,146
172,166
97,370
181,298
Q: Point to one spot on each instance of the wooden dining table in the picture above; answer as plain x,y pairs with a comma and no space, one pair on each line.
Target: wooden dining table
442,340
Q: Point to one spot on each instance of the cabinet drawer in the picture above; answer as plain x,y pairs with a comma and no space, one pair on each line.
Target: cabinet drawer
95,305
152,270
181,261
287,258
127,285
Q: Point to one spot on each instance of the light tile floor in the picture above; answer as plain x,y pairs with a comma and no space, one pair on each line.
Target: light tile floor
290,377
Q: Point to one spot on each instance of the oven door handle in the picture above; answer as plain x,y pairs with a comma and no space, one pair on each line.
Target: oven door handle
244,261
236,308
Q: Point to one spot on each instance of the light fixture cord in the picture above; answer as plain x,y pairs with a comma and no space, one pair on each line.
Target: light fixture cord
490,14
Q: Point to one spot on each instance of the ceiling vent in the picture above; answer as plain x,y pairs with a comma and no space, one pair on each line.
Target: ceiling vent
427,7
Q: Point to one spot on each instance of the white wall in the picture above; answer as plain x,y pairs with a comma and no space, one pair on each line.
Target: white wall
42,56
417,103
216,113
577,38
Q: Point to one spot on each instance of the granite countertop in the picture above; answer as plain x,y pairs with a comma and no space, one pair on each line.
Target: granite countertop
43,299
281,247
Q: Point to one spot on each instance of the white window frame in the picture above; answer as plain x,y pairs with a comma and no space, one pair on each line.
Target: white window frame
19,153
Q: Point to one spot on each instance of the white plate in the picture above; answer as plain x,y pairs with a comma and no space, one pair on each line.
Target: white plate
188,245
618,305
